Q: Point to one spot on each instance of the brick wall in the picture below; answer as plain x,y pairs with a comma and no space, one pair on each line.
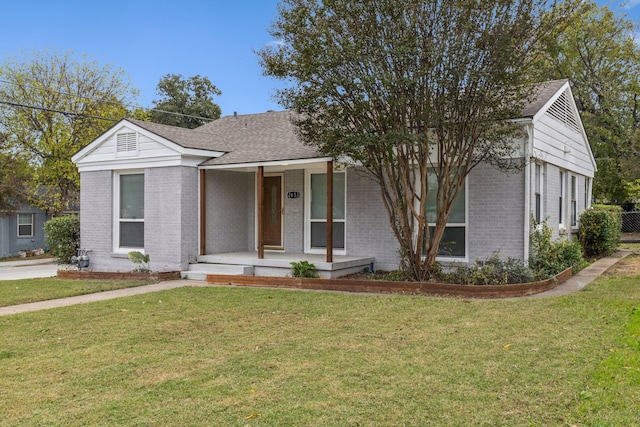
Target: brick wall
368,230
228,211
171,217
96,221
294,212
495,213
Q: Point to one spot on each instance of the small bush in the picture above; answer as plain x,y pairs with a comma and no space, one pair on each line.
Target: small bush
62,236
494,271
608,208
548,258
138,257
600,232
303,269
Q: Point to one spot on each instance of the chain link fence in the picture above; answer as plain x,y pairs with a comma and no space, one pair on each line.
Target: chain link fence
630,227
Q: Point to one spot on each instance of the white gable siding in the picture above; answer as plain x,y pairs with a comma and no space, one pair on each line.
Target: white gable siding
147,148
144,150
559,138
556,143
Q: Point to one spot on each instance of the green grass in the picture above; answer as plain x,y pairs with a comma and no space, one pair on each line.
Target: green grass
630,246
234,356
14,292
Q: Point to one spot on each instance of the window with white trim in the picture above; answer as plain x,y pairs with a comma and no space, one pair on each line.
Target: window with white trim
318,210
561,199
538,213
129,209
574,201
587,192
454,242
25,224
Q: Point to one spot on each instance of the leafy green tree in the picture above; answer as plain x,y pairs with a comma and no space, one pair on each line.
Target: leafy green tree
14,172
186,103
417,92
51,106
598,52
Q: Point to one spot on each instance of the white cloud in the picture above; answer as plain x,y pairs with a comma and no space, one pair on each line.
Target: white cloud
280,43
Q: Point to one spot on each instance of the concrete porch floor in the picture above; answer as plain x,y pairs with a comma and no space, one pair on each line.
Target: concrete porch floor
277,264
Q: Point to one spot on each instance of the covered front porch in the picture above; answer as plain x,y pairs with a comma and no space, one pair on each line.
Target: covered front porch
273,263
257,218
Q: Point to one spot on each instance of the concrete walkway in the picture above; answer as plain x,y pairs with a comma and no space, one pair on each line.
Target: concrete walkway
28,268
99,296
583,277
574,284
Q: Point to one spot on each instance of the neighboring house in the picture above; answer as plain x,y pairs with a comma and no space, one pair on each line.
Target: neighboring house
184,196
22,230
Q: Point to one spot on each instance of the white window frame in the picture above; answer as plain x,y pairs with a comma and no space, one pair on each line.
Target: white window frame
116,211
307,212
538,204
573,200
464,224
587,192
562,198
19,223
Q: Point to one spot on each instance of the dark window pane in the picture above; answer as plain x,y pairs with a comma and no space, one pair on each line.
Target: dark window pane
132,234
452,243
319,235
24,231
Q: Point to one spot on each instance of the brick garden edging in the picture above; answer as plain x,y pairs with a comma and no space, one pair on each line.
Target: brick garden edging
110,275
377,286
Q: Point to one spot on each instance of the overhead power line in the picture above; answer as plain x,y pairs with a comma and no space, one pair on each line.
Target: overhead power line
104,101
66,113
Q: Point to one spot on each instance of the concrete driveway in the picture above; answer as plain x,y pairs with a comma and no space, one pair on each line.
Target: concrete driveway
28,269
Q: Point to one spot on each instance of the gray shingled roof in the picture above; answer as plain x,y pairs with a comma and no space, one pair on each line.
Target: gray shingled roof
541,94
264,137
271,136
188,138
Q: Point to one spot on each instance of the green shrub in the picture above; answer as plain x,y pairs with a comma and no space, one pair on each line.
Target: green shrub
62,236
609,208
494,271
303,269
600,232
548,258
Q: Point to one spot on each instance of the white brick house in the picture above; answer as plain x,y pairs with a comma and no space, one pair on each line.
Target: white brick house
244,191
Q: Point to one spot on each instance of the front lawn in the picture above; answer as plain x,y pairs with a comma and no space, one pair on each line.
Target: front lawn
242,356
14,292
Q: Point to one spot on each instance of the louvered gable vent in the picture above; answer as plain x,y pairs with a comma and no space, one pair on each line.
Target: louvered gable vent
561,110
127,142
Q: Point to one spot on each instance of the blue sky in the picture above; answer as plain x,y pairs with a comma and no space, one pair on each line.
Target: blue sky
148,39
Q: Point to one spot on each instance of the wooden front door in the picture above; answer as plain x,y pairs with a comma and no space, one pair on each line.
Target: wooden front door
272,211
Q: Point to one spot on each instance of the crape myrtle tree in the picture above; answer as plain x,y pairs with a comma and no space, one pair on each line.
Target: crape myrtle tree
417,92
52,105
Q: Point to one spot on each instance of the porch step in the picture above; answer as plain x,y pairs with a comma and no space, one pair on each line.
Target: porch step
199,271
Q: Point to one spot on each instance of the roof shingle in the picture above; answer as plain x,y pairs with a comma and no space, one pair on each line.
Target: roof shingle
272,136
